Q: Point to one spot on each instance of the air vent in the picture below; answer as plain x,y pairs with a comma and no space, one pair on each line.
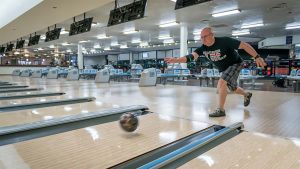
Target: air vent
279,6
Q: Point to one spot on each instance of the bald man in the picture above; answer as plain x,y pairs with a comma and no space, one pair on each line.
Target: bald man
221,51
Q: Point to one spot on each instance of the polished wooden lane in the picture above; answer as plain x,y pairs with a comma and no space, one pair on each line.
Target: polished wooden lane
250,151
34,100
39,114
98,146
275,113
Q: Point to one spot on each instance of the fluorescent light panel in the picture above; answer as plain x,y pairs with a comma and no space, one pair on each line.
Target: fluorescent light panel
65,44
197,32
43,37
161,37
103,36
225,13
136,41
144,44
244,26
163,25
197,38
169,41
97,46
241,32
82,41
123,46
292,26
12,9
130,31
114,44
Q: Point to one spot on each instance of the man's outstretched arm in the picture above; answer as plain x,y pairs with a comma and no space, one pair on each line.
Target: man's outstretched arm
184,59
251,51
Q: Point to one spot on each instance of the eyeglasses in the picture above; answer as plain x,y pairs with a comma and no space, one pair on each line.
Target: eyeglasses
205,36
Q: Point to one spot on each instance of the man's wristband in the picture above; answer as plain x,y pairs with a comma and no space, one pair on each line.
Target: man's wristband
189,57
257,56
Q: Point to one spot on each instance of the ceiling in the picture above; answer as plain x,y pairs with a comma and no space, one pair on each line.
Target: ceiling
47,13
275,14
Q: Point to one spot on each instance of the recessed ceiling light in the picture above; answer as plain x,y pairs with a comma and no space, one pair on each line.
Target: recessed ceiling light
82,41
136,41
240,32
107,48
102,36
97,46
130,31
43,37
293,26
225,13
161,37
64,31
173,23
169,41
252,25
123,46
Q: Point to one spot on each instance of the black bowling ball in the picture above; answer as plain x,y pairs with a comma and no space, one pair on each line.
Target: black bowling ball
129,122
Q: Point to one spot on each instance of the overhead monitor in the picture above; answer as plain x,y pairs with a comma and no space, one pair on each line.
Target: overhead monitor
126,13
81,26
9,47
20,44
34,40
2,49
53,34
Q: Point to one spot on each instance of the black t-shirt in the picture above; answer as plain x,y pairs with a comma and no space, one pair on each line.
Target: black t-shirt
222,53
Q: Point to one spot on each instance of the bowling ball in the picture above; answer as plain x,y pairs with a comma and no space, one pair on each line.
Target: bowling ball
129,122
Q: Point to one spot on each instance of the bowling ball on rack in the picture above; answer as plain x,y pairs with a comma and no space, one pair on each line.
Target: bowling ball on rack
129,122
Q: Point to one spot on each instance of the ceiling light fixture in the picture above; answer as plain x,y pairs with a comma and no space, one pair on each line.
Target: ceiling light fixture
95,24
161,37
244,26
240,32
136,41
123,46
107,48
114,44
197,38
65,44
130,31
197,32
173,23
43,37
225,13
64,31
292,26
103,36
82,41
169,41
97,46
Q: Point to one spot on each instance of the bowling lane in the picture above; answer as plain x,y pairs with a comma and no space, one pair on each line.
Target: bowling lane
22,93
99,146
105,100
38,114
34,100
251,150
